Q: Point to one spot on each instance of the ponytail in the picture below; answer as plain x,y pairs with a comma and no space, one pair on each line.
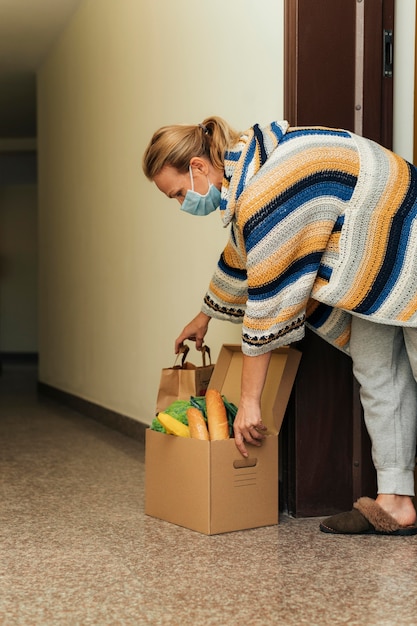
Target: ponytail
176,145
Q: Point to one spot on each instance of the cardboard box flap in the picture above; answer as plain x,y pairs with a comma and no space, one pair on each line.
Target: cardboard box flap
279,381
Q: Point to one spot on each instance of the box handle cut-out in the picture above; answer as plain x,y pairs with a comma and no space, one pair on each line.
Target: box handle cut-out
244,463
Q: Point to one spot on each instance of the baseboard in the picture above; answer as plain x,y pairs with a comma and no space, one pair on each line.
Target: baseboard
18,357
116,421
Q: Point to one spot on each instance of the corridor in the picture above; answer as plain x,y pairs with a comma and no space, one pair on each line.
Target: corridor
76,548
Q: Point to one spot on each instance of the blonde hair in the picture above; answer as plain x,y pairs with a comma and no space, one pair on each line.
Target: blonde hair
176,145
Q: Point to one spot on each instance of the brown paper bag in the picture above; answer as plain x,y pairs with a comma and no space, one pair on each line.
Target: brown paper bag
182,381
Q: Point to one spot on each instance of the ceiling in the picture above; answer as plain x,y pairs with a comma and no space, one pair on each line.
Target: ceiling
28,29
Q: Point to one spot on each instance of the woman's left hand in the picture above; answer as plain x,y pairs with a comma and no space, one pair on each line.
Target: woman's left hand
248,427
195,331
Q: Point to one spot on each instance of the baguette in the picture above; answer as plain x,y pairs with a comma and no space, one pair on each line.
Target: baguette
218,426
197,424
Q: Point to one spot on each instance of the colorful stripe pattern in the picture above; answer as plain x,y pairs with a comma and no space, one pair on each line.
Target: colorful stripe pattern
322,226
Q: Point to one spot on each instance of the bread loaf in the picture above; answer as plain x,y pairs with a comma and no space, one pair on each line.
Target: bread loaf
216,415
197,424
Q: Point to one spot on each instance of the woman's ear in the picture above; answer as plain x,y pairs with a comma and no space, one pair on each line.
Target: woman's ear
200,164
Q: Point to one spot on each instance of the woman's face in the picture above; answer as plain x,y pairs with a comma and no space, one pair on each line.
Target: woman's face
175,184
172,183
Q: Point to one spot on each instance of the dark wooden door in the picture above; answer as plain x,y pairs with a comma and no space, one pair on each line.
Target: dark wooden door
325,450
338,65
338,73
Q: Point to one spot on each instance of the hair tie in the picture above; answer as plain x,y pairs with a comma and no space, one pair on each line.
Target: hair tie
204,129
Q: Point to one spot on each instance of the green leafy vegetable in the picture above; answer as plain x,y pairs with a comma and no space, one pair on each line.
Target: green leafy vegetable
177,409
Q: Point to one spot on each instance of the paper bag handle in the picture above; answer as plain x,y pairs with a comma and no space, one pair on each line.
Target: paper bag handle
184,350
205,350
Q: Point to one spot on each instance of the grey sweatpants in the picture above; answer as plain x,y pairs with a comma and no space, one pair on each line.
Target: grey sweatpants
385,366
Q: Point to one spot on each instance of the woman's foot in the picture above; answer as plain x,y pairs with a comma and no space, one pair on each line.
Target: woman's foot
401,508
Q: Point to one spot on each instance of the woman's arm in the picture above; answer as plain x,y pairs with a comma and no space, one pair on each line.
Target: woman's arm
248,424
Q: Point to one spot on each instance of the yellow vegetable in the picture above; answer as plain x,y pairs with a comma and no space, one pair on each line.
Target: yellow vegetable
173,426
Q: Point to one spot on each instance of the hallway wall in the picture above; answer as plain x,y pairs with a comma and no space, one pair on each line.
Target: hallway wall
122,270
404,89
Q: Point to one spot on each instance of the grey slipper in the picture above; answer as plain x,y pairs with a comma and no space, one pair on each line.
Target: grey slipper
366,518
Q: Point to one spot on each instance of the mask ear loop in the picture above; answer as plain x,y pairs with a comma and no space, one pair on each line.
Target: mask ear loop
190,169
192,179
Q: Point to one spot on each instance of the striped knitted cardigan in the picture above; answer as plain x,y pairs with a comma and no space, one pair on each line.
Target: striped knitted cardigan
322,226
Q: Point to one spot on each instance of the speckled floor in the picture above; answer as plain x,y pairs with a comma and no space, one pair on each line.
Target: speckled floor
77,549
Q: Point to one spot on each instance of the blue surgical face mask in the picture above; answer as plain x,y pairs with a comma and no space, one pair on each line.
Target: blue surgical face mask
197,204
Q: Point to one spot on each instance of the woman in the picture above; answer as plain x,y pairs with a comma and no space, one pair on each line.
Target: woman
323,230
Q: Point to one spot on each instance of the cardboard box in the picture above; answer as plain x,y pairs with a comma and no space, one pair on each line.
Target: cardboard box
208,486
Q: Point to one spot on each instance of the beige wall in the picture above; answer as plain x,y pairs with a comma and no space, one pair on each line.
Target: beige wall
122,270
404,28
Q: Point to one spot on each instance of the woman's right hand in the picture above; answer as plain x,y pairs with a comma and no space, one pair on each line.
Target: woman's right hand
195,331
